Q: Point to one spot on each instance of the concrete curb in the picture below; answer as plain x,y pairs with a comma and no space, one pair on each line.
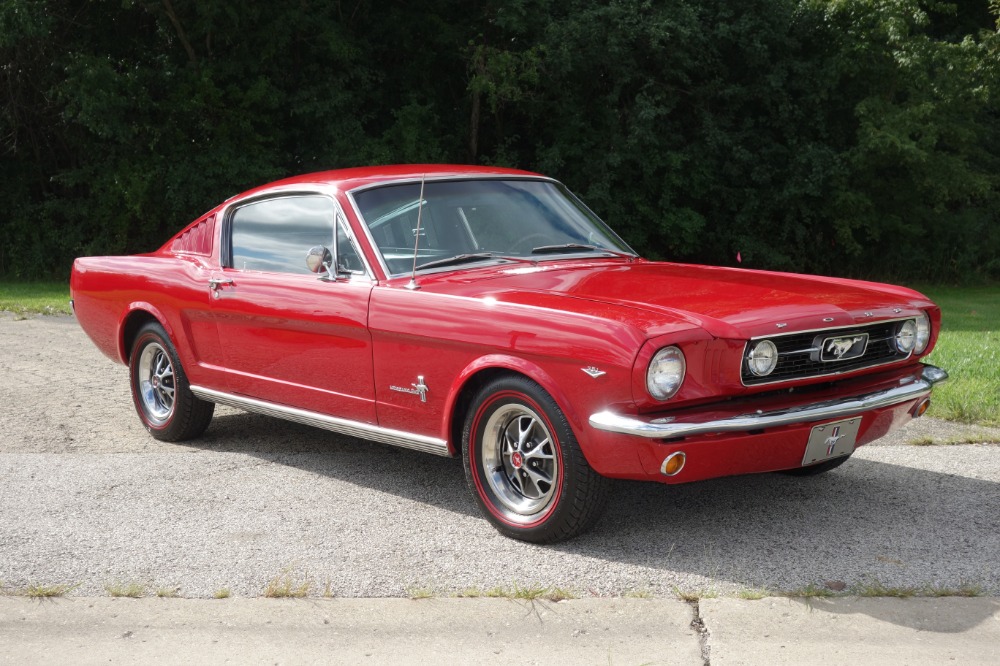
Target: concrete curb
853,631
80,630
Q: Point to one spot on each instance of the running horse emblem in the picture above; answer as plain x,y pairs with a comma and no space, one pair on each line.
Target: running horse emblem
840,346
832,440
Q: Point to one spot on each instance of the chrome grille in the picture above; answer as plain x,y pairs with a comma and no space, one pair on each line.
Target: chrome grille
798,353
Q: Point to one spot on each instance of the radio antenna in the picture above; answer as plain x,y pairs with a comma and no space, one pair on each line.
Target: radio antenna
416,235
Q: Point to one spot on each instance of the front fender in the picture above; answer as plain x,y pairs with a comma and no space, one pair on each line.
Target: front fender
522,366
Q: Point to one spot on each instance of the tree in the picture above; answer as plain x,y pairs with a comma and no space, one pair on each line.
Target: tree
854,137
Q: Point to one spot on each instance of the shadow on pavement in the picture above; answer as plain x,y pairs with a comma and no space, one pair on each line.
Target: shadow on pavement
951,615
867,523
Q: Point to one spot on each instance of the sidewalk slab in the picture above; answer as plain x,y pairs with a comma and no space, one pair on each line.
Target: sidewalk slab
80,630
883,631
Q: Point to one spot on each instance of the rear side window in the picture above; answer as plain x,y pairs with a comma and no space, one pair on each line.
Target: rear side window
275,235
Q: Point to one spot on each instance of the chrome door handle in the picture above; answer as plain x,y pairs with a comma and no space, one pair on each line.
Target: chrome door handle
215,283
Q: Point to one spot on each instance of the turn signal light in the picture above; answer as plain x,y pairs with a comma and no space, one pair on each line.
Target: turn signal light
673,463
921,408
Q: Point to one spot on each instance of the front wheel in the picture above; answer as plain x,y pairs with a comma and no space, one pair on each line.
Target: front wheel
525,467
160,390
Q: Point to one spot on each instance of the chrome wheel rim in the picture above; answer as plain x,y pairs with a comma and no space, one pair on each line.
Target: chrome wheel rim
156,383
520,462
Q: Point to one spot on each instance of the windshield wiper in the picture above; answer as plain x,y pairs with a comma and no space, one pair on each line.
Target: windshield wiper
579,247
469,258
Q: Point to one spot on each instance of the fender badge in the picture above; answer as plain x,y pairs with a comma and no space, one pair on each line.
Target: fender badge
594,372
418,389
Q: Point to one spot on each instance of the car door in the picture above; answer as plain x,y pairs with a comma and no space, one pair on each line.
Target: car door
290,337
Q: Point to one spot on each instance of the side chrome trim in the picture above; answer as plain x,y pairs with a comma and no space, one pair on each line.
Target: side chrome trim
663,428
406,440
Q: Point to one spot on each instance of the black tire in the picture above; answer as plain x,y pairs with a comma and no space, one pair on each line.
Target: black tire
540,487
160,389
818,468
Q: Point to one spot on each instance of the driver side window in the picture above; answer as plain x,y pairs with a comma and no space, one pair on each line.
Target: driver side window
274,235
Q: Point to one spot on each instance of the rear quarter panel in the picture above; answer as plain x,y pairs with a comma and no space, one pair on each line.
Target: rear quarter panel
106,291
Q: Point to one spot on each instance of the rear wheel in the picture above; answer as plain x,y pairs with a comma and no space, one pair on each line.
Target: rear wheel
160,389
525,467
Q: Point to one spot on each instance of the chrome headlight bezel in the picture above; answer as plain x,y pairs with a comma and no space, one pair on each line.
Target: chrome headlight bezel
762,358
923,338
665,373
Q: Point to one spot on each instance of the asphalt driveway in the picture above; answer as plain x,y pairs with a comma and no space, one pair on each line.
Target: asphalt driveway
87,498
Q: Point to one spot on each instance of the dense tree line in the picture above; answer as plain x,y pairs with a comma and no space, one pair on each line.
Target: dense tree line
850,137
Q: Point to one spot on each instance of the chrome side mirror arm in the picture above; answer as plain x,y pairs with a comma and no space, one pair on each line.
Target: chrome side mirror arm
320,260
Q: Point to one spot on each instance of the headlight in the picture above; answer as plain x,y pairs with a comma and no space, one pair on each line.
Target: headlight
906,336
763,358
923,333
666,373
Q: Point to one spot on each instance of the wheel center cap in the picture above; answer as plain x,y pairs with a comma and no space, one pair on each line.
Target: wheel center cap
517,460
155,382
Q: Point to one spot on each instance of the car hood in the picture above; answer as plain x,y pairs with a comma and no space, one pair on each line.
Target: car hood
726,302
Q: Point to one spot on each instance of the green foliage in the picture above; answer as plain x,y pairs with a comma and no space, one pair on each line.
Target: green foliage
852,137
922,183
969,349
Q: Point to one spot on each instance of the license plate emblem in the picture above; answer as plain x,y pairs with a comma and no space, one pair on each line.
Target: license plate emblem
831,440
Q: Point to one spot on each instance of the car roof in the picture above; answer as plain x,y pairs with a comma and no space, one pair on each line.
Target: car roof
346,180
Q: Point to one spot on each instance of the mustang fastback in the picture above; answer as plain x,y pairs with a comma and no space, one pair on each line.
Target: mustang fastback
487,313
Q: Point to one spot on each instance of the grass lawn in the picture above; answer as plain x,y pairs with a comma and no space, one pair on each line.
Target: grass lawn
969,346
969,349
35,297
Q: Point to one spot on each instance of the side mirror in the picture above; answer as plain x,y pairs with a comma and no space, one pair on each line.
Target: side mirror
319,259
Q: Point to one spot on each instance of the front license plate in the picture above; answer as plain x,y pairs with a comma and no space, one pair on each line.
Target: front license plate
831,440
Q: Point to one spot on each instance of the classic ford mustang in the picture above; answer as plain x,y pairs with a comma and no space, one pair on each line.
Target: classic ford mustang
487,313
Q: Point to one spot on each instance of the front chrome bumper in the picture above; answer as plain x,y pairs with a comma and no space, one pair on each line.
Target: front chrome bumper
664,428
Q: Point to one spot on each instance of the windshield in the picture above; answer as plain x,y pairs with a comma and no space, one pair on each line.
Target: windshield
481,220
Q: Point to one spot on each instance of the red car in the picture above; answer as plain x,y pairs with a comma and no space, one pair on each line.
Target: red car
487,313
